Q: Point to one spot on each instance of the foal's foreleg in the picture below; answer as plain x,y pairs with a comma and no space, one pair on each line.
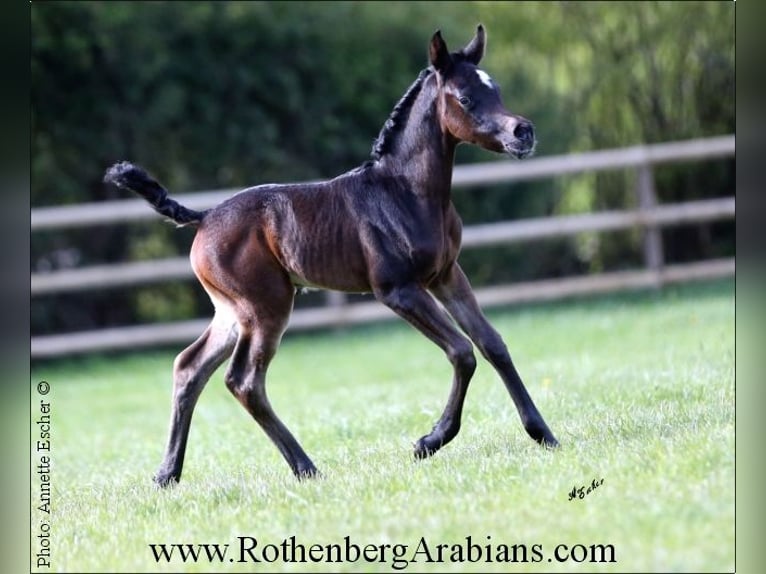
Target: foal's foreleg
415,305
456,295
191,371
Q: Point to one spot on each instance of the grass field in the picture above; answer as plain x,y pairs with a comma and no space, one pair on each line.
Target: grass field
638,388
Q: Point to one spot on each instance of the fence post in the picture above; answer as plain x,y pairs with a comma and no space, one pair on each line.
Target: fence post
336,300
654,258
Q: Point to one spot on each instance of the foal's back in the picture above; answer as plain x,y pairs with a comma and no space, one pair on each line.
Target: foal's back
329,234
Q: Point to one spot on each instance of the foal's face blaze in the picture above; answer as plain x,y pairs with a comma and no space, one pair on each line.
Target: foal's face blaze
472,109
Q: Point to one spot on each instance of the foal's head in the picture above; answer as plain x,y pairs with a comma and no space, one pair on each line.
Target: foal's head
470,107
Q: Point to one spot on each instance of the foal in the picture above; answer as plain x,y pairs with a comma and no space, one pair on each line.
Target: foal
387,227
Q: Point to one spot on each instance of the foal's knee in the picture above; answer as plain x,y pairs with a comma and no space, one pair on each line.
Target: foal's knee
181,369
233,382
463,358
239,388
249,391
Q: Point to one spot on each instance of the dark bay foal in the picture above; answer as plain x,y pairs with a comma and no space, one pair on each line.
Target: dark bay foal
387,227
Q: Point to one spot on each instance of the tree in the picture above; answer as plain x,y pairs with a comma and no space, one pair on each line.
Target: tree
231,94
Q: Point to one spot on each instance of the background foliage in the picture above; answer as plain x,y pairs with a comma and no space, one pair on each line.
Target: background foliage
230,94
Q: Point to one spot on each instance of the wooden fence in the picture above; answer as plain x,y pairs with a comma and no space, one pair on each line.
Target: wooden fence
649,216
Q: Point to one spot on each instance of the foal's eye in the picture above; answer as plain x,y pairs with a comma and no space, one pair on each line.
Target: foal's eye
465,101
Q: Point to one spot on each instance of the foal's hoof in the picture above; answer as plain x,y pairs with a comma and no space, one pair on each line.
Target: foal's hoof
549,442
425,447
542,435
307,473
165,480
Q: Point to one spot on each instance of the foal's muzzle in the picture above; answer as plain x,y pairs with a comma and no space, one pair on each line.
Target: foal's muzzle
522,142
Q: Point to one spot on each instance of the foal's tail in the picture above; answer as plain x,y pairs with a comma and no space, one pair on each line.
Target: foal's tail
129,176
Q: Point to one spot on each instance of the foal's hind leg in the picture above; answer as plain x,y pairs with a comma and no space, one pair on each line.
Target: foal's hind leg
261,328
191,371
414,304
456,295
246,379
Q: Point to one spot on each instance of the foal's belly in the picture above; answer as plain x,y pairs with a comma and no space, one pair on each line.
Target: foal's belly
328,258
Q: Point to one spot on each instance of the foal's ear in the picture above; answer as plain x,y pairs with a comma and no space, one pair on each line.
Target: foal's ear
438,53
474,51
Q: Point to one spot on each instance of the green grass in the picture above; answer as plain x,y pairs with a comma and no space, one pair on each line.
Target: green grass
638,388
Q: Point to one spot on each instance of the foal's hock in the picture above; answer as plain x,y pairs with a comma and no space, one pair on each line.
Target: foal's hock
387,227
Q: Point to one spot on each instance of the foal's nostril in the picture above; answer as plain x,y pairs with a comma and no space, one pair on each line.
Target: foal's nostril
524,131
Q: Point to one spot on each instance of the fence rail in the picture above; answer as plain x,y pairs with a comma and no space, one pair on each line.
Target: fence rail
347,315
161,270
124,210
649,216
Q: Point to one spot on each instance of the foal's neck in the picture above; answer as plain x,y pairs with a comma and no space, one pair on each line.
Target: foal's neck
422,153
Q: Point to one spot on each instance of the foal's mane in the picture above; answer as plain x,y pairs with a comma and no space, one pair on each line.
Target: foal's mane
398,117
